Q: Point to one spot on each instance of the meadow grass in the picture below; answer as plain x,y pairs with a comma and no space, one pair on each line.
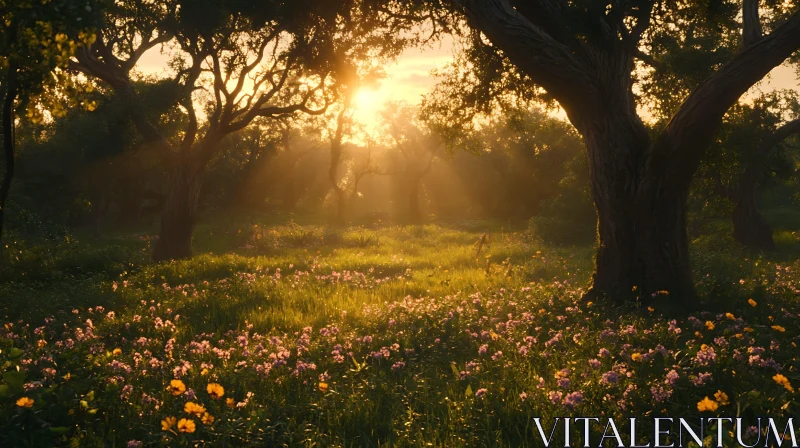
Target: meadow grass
374,336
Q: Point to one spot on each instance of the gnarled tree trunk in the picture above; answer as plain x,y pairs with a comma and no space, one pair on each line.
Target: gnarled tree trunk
642,242
179,214
640,188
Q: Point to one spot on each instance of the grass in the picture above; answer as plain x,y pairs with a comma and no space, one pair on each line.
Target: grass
373,336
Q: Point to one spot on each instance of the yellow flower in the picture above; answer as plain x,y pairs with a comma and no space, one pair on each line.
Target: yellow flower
783,381
707,404
651,309
207,419
636,357
204,372
194,408
722,397
748,330
176,387
215,390
41,343
778,328
186,425
168,423
25,402
752,302
709,325
230,402
323,387
117,351
730,316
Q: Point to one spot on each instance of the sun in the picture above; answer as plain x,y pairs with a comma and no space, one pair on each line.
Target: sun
366,98
368,103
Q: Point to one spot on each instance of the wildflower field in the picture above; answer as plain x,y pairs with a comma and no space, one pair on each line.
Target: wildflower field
287,335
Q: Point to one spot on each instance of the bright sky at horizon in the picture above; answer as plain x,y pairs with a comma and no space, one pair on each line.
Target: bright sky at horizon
409,78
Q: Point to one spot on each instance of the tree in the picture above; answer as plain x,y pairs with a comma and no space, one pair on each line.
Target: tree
584,55
363,168
235,62
749,226
418,147
353,78
87,164
743,158
343,126
36,40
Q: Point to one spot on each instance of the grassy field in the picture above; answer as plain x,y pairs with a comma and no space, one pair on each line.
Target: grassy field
454,334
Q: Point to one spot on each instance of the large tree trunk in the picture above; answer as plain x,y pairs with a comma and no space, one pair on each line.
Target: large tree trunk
642,241
640,188
749,227
8,139
662,244
180,211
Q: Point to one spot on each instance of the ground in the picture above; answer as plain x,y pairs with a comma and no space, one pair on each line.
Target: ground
285,334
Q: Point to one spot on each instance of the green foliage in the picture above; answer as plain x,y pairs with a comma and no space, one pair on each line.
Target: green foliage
89,166
744,130
37,40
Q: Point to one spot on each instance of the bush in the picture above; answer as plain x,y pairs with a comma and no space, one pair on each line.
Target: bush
567,220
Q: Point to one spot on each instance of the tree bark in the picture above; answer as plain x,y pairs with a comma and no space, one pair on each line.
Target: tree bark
179,215
642,242
8,139
640,187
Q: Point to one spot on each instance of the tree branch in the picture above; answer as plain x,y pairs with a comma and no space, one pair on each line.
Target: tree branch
751,29
787,130
693,126
549,63
113,74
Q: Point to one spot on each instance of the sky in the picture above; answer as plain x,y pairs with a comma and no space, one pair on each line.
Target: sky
409,78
